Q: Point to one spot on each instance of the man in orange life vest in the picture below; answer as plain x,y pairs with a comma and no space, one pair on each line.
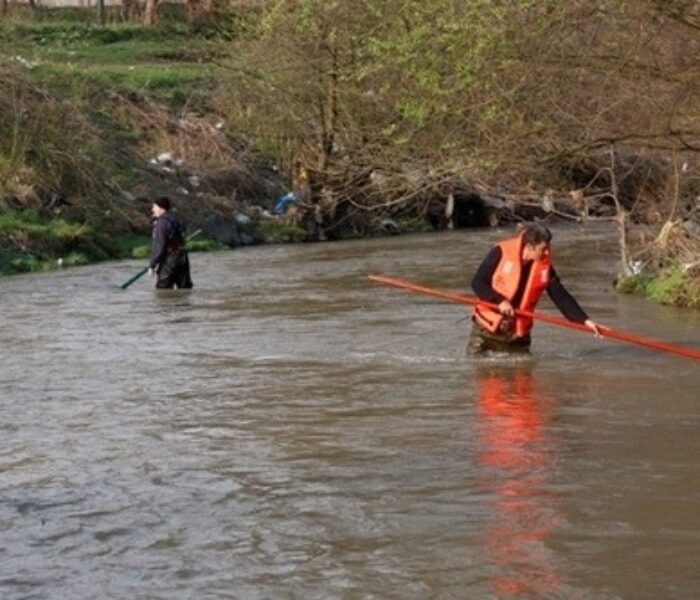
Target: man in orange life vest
513,275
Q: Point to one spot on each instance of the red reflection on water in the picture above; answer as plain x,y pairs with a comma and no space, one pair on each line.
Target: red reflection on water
517,454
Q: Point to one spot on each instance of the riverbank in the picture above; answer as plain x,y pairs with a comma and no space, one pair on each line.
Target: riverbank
100,119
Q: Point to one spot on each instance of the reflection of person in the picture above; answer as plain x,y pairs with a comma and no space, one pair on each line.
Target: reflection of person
517,458
513,275
169,260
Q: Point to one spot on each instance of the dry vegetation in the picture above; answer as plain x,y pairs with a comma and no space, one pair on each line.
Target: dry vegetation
500,99
579,108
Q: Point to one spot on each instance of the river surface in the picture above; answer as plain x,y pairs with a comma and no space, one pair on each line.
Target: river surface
289,429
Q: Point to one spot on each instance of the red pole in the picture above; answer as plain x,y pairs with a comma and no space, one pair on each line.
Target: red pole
604,331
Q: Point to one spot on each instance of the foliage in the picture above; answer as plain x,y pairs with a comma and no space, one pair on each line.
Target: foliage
387,83
29,242
143,250
414,225
506,98
674,286
276,231
38,157
130,246
31,226
14,261
632,284
205,246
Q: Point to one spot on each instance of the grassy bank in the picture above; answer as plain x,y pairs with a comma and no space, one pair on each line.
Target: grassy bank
57,243
389,120
86,111
673,286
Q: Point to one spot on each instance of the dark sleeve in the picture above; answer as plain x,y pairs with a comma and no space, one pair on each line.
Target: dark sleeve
160,243
481,282
564,301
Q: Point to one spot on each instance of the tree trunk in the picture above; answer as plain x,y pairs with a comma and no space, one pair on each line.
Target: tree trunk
190,10
329,110
150,16
621,217
101,11
200,8
132,10
3,7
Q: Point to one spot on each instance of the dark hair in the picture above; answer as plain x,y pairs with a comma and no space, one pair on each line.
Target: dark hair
536,234
163,202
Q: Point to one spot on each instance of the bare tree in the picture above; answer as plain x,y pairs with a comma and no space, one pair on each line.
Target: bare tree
150,15
621,217
132,10
205,8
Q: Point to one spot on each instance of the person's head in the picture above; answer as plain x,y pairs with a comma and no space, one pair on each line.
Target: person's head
160,206
536,241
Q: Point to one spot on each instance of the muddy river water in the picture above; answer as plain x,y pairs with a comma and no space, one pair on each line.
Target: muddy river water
290,430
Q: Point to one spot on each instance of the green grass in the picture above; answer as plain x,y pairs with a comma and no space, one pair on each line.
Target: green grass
205,246
55,243
78,136
145,79
274,231
31,242
29,224
168,63
130,246
670,286
139,246
12,261
673,287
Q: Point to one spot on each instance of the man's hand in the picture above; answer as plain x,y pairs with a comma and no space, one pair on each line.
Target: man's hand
593,327
506,308
151,271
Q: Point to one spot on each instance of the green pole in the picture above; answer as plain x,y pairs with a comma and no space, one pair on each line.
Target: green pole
138,275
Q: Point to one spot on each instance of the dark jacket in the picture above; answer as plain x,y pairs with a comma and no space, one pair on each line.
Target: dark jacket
168,237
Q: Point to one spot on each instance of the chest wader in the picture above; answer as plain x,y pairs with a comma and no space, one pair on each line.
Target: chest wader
481,340
174,272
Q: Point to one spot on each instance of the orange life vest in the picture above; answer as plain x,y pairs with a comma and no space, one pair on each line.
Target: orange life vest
505,281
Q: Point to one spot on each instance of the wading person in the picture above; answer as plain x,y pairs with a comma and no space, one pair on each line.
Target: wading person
169,260
513,275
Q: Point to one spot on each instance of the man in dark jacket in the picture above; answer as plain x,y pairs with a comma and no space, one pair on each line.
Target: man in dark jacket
169,260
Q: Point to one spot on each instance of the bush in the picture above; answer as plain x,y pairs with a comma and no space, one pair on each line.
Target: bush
274,231
674,287
671,286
